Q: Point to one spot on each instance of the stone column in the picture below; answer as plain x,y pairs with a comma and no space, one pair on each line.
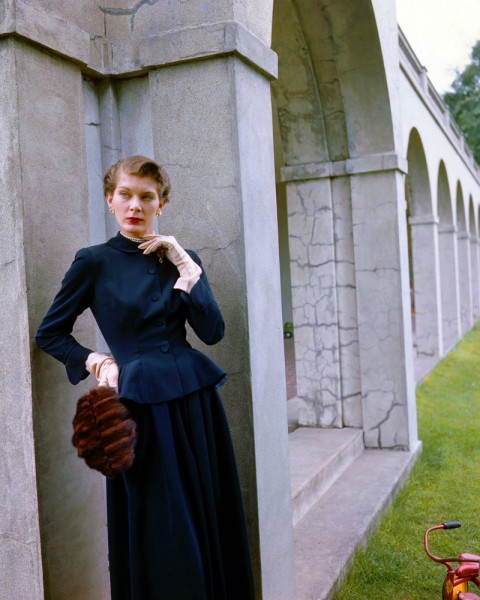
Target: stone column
53,169
474,257
20,552
383,300
447,244
314,300
212,129
366,273
465,280
428,309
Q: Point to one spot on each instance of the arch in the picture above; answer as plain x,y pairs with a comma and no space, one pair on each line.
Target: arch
418,192
464,261
332,104
475,217
474,259
423,258
471,217
444,200
332,98
448,263
461,209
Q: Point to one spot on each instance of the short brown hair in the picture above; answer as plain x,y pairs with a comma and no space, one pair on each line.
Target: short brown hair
141,166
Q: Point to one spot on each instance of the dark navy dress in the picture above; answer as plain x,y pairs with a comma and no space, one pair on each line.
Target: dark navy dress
176,526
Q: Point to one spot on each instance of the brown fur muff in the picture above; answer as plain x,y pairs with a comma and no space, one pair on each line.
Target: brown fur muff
104,432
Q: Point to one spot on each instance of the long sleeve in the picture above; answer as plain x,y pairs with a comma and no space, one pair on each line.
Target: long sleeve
54,334
204,315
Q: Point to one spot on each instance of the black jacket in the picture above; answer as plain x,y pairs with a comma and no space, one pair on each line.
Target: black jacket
142,319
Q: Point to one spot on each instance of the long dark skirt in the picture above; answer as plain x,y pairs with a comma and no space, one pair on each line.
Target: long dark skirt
176,526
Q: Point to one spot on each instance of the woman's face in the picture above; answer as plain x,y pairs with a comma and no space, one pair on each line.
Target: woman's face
135,201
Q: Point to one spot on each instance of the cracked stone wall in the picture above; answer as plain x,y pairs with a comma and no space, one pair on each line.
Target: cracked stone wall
147,18
381,261
314,302
324,303
350,375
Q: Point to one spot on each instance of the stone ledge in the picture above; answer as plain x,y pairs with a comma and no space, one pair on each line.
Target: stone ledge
218,39
38,26
318,457
103,57
424,220
370,163
326,538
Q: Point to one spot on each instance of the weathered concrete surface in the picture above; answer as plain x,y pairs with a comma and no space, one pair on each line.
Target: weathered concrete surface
318,457
340,104
20,550
314,301
221,165
53,171
383,300
149,19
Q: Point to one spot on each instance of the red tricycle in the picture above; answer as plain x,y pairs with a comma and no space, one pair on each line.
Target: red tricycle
455,586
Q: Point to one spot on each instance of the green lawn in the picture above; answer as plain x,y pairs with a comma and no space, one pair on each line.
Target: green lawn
444,486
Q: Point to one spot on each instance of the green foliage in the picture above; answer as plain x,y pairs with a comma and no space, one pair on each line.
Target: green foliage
464,101
443,486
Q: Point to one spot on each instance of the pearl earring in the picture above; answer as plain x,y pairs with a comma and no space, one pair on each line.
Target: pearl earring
111,209
158,212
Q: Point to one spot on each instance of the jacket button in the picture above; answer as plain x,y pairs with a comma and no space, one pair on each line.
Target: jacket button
164,347
155,297
152,271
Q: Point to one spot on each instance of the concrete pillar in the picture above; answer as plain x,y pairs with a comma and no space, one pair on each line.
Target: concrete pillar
314,300
20,552
428,309
383,300
350,368
54,179
200,102
447,244
212,129
465,280
474,258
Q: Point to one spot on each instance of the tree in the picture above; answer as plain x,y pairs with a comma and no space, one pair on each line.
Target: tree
464,101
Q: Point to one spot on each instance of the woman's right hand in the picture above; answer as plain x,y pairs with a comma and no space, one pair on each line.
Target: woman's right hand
188,269
104,368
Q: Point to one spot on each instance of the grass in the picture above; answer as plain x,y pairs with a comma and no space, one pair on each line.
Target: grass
443,486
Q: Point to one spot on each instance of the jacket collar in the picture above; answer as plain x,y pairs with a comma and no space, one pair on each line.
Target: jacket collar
120,242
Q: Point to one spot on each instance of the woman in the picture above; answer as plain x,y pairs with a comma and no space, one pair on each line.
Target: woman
176,528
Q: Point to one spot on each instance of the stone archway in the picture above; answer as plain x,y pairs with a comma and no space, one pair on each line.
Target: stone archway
425,277
474,259
338,157
464,262
447,241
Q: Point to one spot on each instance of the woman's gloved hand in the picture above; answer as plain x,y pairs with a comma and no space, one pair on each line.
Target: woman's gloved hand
189,270
104,368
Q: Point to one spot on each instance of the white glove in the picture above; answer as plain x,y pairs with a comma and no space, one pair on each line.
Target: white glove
104,368
189,270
